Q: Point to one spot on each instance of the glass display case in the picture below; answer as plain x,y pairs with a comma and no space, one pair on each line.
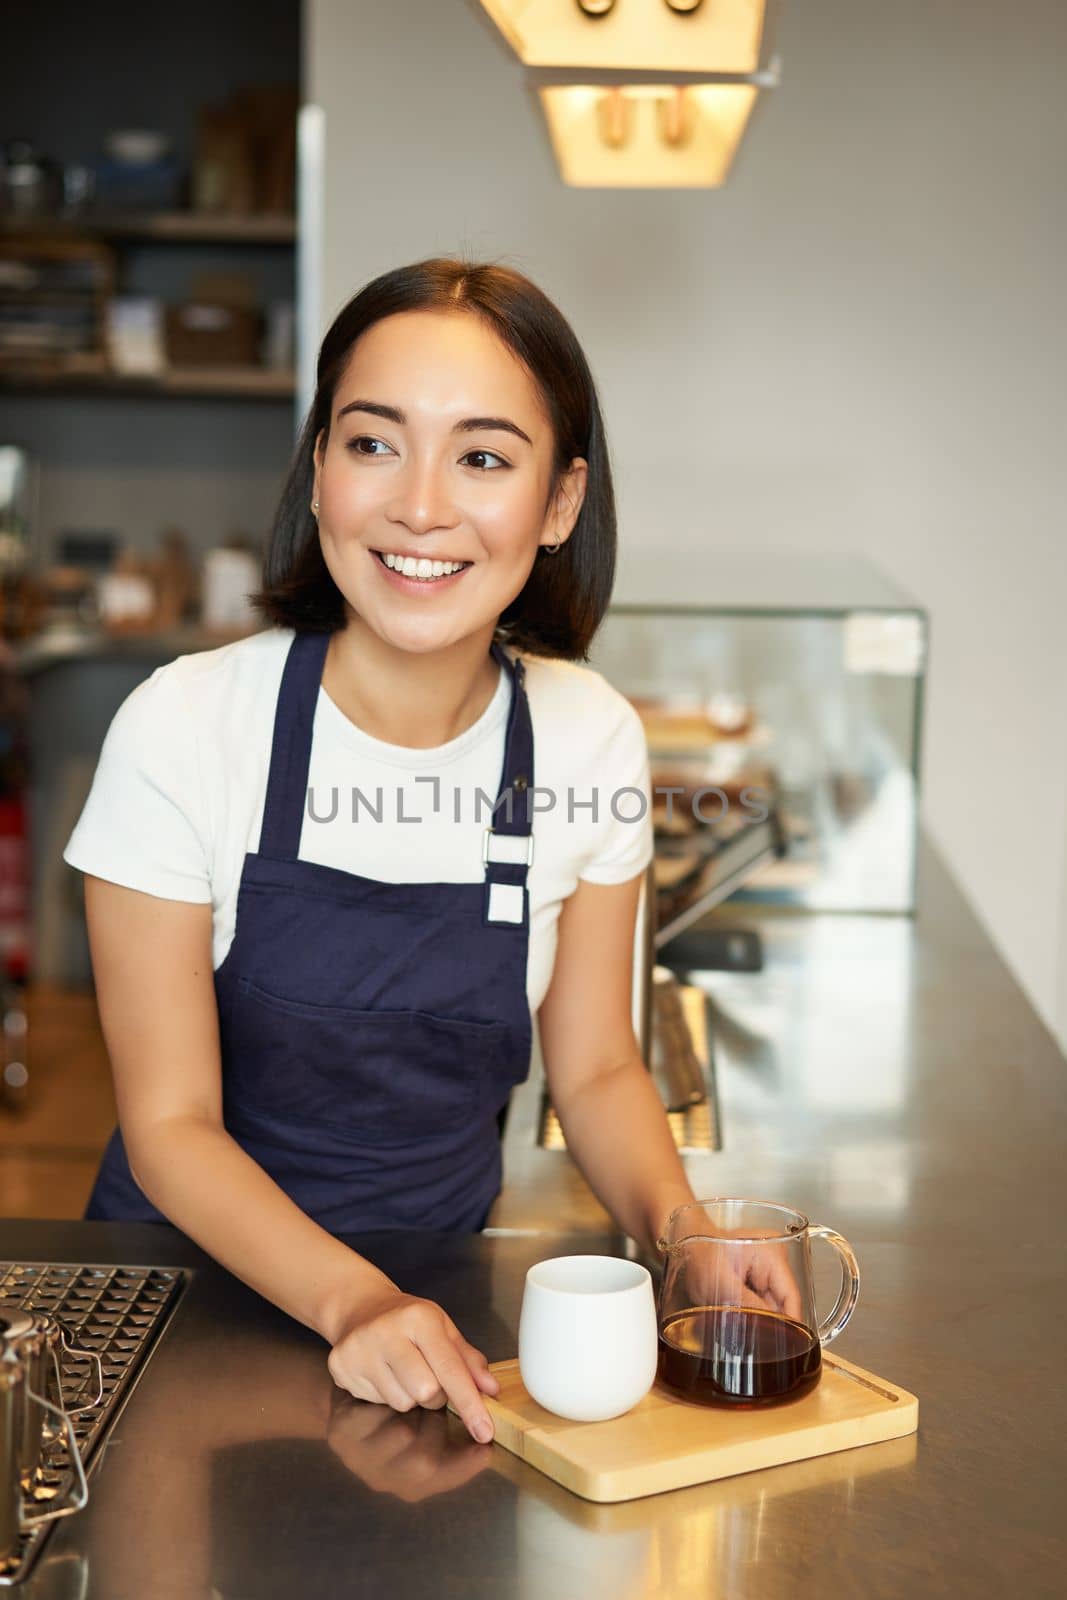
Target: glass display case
781,696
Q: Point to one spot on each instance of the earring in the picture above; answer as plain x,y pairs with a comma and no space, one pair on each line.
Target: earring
315,507
553,549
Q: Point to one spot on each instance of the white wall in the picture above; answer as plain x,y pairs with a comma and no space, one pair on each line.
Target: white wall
857,344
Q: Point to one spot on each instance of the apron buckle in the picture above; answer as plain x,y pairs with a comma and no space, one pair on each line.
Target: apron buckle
516,858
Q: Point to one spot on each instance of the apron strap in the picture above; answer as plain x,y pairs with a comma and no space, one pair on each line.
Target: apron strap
507,846
290,754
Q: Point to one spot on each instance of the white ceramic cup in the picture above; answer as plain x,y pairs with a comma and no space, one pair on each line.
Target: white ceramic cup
588,1336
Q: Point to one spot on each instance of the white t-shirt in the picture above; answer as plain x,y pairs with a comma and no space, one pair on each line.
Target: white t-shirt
177,798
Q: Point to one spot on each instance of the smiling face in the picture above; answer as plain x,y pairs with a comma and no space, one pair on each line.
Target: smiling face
439,453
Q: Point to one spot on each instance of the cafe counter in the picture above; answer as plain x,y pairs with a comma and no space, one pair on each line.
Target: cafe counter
885,1075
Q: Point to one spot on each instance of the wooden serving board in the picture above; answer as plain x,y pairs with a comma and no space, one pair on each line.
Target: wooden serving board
667,1443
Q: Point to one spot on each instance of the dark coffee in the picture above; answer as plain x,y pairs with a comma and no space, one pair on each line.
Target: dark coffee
723,1355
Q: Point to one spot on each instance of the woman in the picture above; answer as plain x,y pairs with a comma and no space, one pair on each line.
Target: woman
316,954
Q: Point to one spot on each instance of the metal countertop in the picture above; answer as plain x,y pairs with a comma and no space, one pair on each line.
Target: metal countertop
887,1076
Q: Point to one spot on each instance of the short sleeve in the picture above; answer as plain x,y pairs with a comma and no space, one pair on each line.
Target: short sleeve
144,822
624,823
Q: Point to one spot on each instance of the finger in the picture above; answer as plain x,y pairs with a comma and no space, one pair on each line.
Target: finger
393,1391
445,1358
356,1384
415,1374
484,1377
789,1296
785,1287
729,1292
716,1282
439,1399
770,1276
470,1352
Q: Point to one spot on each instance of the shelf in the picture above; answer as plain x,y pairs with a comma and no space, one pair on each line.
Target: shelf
254,383
257,382
170,227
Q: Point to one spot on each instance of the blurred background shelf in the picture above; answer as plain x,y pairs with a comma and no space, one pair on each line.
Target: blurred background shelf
141,208
255,383
181,227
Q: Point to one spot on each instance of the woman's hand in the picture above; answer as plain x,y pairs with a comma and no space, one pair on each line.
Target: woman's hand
752,1274
401,1351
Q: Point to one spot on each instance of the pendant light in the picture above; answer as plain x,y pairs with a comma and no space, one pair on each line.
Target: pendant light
642,93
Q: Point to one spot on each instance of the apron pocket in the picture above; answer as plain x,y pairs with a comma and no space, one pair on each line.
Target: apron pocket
373,1077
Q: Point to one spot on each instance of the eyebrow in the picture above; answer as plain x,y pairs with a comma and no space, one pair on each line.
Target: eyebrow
466,425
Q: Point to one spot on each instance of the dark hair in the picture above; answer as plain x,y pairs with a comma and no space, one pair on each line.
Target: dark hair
562,602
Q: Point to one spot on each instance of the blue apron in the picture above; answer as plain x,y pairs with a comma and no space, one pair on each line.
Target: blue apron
371,1032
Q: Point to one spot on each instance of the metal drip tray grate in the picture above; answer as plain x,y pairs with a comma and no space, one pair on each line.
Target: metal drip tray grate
115,1312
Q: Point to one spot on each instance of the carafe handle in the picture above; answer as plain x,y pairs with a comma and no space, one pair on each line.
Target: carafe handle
831,1326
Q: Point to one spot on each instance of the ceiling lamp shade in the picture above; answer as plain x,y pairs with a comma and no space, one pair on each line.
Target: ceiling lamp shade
642,93
663,35
645,136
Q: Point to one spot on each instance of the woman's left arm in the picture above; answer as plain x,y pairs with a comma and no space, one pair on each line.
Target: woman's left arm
611,1113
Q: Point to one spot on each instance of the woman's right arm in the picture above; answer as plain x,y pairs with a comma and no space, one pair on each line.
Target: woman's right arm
152,963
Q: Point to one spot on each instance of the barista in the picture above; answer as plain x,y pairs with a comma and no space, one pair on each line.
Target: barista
315,962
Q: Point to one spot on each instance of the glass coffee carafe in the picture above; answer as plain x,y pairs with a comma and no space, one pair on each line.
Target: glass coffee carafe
737,1319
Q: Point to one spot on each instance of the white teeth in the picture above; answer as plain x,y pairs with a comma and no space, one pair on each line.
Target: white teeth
421,566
